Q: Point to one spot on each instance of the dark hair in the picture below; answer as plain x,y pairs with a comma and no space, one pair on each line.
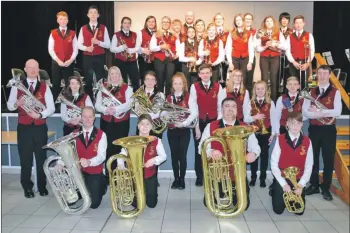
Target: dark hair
298,17
298,116
248,14
148,18
122,21
68,92
284,15
324,67
228,99
144,117
204,66
199,20
93,7
152,73
88,108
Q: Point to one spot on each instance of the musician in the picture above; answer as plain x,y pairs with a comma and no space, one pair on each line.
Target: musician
211,51
32,128
145,61
125,44
178,134
63,50
189,21
323,134
240,49
248,21
93,40
291,149
75,94
235,89
177,28
261,113
154,156
284,20
300,50
199,25
208,96
214,151
115,120
269,45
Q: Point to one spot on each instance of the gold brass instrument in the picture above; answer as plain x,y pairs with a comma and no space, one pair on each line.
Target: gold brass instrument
207,47
74,111
216,172
30,103
142,105
124,53
127,184
262,33
167,52
319,105
192,64
294,203
147,58
261,122
68,181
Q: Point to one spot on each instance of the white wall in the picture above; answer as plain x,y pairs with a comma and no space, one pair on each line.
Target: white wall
138,11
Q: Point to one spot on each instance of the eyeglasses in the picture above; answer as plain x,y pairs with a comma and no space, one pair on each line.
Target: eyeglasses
166,22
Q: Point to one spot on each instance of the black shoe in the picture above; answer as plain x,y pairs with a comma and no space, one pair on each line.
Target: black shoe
271,186
182,184
44,192
199,182
270,192
175,184
327,195
312,190
28,193
158,185
252,182
262,184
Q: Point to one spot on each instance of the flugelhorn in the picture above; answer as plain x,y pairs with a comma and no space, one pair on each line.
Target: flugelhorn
294,203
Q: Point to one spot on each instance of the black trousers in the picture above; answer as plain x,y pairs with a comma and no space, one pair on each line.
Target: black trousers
294,72
216,73
151,190
31,139
224,68
278,204
323,137
67,129
264,156
190,76
165,71
284,70
59,72
144,67
241,63
179,140
269,71
93,63
129,69
97,187
178,65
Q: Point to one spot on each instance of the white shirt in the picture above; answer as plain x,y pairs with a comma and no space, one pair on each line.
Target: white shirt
228,49
221,96
51,46
282,45
275,157
101,149
118,49
183,58
50,105
139,35
64,110
106,43
154,47
221,56
252,143
192,107
246,95
311,44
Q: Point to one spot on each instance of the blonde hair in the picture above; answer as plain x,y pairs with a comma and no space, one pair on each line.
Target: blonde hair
293,78
230,85
159,32
275,29
183,79
267,96
121,82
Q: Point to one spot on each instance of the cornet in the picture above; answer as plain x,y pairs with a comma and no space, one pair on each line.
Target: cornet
167,52
124,53
147,58
206,58
192,64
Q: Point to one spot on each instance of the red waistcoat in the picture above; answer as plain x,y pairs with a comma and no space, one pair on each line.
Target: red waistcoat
191,51
223,37
207,102
297,45
150,153
287,33
146,40
171,40
80,102
88,35
264,109
239,98
269,52
214,48
130,42
183,103
297,107
63,46
240,44
327,100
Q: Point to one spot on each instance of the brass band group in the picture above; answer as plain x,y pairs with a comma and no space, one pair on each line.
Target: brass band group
183,77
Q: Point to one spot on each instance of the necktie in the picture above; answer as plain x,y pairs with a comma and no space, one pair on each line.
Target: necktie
294,141
206,87
178,99
127,33
260,101
31,88
93,29
322,91
236,91
292,98
298,34
63,32
227,125
148,94
86,138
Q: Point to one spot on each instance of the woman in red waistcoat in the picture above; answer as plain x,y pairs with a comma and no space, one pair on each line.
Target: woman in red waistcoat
177,27
199,25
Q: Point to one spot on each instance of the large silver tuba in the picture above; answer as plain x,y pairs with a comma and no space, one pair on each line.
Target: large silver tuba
320,106
72,113
67,180
30,103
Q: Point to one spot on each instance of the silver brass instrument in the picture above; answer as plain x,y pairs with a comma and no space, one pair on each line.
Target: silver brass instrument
30,103
147,58
74,111
167,52
262,33
319,105
68,180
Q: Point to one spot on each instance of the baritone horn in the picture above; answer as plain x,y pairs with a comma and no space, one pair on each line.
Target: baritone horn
294,203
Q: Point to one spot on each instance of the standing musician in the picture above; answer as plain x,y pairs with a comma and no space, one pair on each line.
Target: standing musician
261,113
163,47
32,128
211,51
93,40
235,89
269,44
75,94
208,96
63,50
154,156
292,149
300,51
240,49
215,151
178,135
284,20
322,131
177,28
125,44
115,119
145,61
248,21
199,25
189,21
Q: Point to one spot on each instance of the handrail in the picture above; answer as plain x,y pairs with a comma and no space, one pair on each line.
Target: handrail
345,97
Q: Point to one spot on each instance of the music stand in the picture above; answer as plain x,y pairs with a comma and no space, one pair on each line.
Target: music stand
328,57
347,53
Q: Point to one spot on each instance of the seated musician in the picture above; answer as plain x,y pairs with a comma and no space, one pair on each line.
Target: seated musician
291,149
229,114
154,155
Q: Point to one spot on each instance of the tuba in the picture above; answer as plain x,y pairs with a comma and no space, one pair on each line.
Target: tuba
261,122
67,182
72,113
294,203
216,172
127,184
320,106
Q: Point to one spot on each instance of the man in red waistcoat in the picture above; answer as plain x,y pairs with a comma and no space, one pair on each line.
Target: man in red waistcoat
292,149
93,40
215,151
63,50
189,21
32,128
323,134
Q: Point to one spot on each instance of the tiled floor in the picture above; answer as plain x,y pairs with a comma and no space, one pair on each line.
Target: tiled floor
177,211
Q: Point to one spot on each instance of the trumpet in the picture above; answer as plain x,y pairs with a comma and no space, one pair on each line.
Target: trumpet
124,53
261,122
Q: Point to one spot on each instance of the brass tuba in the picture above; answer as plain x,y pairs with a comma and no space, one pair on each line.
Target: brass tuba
261,122
294,203
216,172
124,181
68,181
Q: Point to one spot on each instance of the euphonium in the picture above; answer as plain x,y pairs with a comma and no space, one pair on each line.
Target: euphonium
261,122
66,182
72,113
127,184
216,172
294,203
